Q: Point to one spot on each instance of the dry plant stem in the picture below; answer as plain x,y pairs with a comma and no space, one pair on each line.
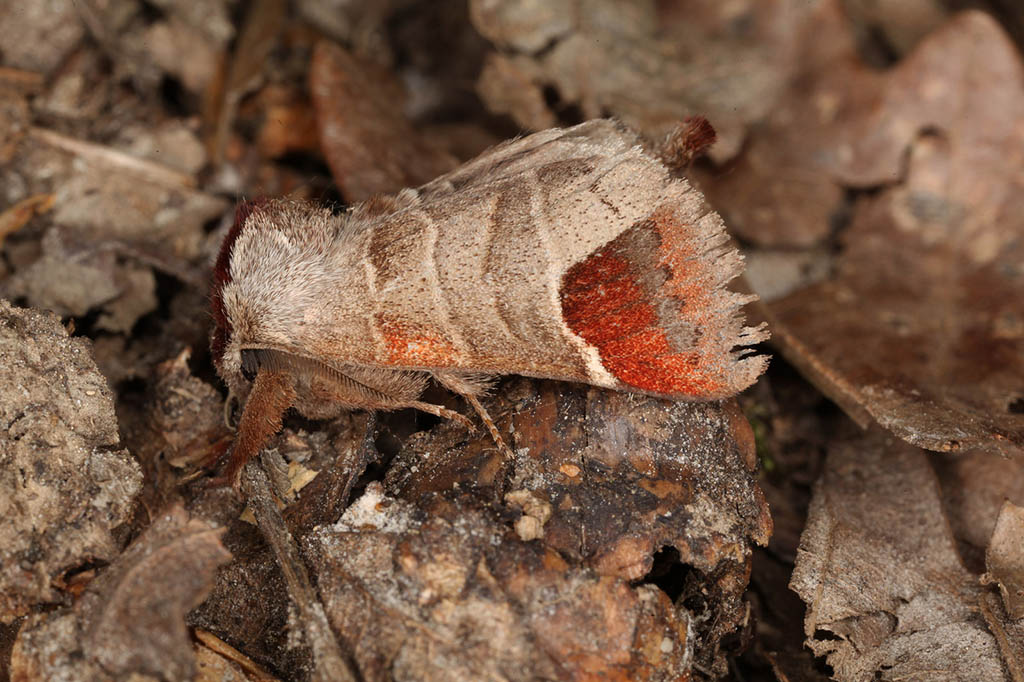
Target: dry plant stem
89,151
367,453
328,662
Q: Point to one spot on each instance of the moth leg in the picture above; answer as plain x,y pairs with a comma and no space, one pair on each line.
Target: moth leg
442,412
469,386
272,393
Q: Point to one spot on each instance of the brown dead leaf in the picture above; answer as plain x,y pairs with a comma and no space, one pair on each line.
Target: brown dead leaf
974,487
18,215
1005,559
780,192
887,596
902,22
186,413
133,615
289,122
131,619
15,121
106,194
1009,633
370,145
241,73
73,279
922,326
65,484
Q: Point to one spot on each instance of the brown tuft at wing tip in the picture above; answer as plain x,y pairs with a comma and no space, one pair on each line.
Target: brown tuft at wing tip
690,139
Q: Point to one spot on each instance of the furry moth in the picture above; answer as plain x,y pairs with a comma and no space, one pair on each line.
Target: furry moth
569,254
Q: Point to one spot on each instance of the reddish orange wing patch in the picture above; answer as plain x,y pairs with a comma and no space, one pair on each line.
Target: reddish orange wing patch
651,303
408,346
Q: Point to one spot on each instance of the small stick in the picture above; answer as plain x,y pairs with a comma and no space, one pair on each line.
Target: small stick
328,662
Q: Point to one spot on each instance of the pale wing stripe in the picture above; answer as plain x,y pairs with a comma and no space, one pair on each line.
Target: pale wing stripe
449,325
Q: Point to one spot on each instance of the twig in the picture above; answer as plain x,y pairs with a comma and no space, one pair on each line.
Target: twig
152,171
328,661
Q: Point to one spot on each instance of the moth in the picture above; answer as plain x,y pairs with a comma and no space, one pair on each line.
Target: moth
571,254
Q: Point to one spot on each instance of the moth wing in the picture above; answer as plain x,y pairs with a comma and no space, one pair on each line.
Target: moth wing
571,254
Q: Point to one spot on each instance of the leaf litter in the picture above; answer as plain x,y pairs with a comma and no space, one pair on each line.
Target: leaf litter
868,162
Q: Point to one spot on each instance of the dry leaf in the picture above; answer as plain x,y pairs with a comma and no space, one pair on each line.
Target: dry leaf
106,194
887,595
1009,633
73,279
922,326
649,63
131,619
1005,559
974,487
18,215
369,143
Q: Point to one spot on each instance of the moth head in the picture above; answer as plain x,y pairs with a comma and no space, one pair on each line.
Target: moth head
224,344
270,282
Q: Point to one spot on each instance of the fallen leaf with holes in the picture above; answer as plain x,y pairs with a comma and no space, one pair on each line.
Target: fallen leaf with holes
65,483
921,328
877,544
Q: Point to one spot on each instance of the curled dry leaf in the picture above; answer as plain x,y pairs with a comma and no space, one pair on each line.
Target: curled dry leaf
64,482
1005,559
613,489
922,326
132,617
370,145
876,546
648,63
974,487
